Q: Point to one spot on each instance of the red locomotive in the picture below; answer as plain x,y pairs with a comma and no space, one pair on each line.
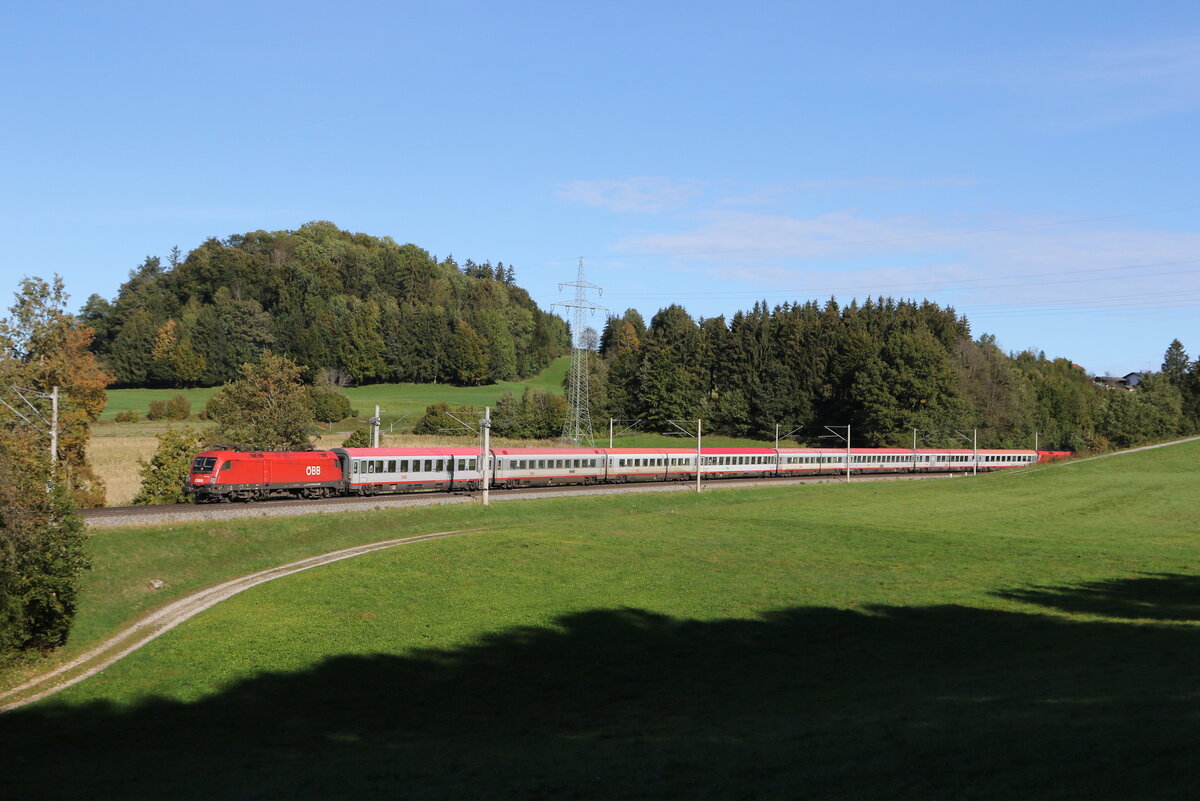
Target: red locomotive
251,475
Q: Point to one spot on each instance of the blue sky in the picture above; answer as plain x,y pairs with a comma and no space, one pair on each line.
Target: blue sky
1032,164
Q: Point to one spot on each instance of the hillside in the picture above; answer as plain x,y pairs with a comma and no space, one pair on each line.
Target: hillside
362,309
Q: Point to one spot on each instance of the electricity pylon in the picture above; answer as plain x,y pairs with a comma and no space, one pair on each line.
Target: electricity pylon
577,427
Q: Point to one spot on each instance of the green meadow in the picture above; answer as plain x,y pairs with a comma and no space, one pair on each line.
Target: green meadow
1020,635
396,399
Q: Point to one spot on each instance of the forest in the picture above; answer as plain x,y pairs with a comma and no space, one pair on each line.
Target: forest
360,308
889,369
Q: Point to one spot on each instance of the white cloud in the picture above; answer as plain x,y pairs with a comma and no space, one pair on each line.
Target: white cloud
1023,263
645,195
1080,86
1165,61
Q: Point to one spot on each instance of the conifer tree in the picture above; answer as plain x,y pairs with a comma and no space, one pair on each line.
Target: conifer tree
1175,363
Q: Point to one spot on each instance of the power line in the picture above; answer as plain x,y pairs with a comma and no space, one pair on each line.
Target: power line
909,238
943,284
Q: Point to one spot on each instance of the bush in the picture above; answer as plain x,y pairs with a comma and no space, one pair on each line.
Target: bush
439,418
361,438
177,408
41,550
127,416
164,474
329,405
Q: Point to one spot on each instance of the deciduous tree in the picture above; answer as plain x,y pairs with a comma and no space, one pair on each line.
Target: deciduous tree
42,347
164,475
267,408
41,548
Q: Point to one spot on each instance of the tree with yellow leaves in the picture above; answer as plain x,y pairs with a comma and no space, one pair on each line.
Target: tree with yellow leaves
42,346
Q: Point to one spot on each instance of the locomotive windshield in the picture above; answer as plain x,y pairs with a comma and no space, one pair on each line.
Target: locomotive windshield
204,464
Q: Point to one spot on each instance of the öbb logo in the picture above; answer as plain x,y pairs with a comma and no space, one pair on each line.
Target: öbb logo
313,470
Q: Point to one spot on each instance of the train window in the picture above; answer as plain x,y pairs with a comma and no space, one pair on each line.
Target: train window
391,465
354,467
462,465
541,464
378,465
370,467
471,464
440,466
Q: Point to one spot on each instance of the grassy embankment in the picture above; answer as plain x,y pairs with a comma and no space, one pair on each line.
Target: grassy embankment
116,447
1014,636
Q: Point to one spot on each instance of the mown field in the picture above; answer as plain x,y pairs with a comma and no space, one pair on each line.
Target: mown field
1028,635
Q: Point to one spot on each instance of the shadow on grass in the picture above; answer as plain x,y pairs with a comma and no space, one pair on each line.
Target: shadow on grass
1156,596
936,702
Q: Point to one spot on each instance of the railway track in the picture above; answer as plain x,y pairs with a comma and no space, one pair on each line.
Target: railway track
186,512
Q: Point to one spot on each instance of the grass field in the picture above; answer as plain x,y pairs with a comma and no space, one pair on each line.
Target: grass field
1027,635
396,399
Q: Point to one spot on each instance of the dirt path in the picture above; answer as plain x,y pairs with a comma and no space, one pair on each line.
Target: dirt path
168,617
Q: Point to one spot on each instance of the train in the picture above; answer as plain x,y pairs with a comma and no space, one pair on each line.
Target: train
226,475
